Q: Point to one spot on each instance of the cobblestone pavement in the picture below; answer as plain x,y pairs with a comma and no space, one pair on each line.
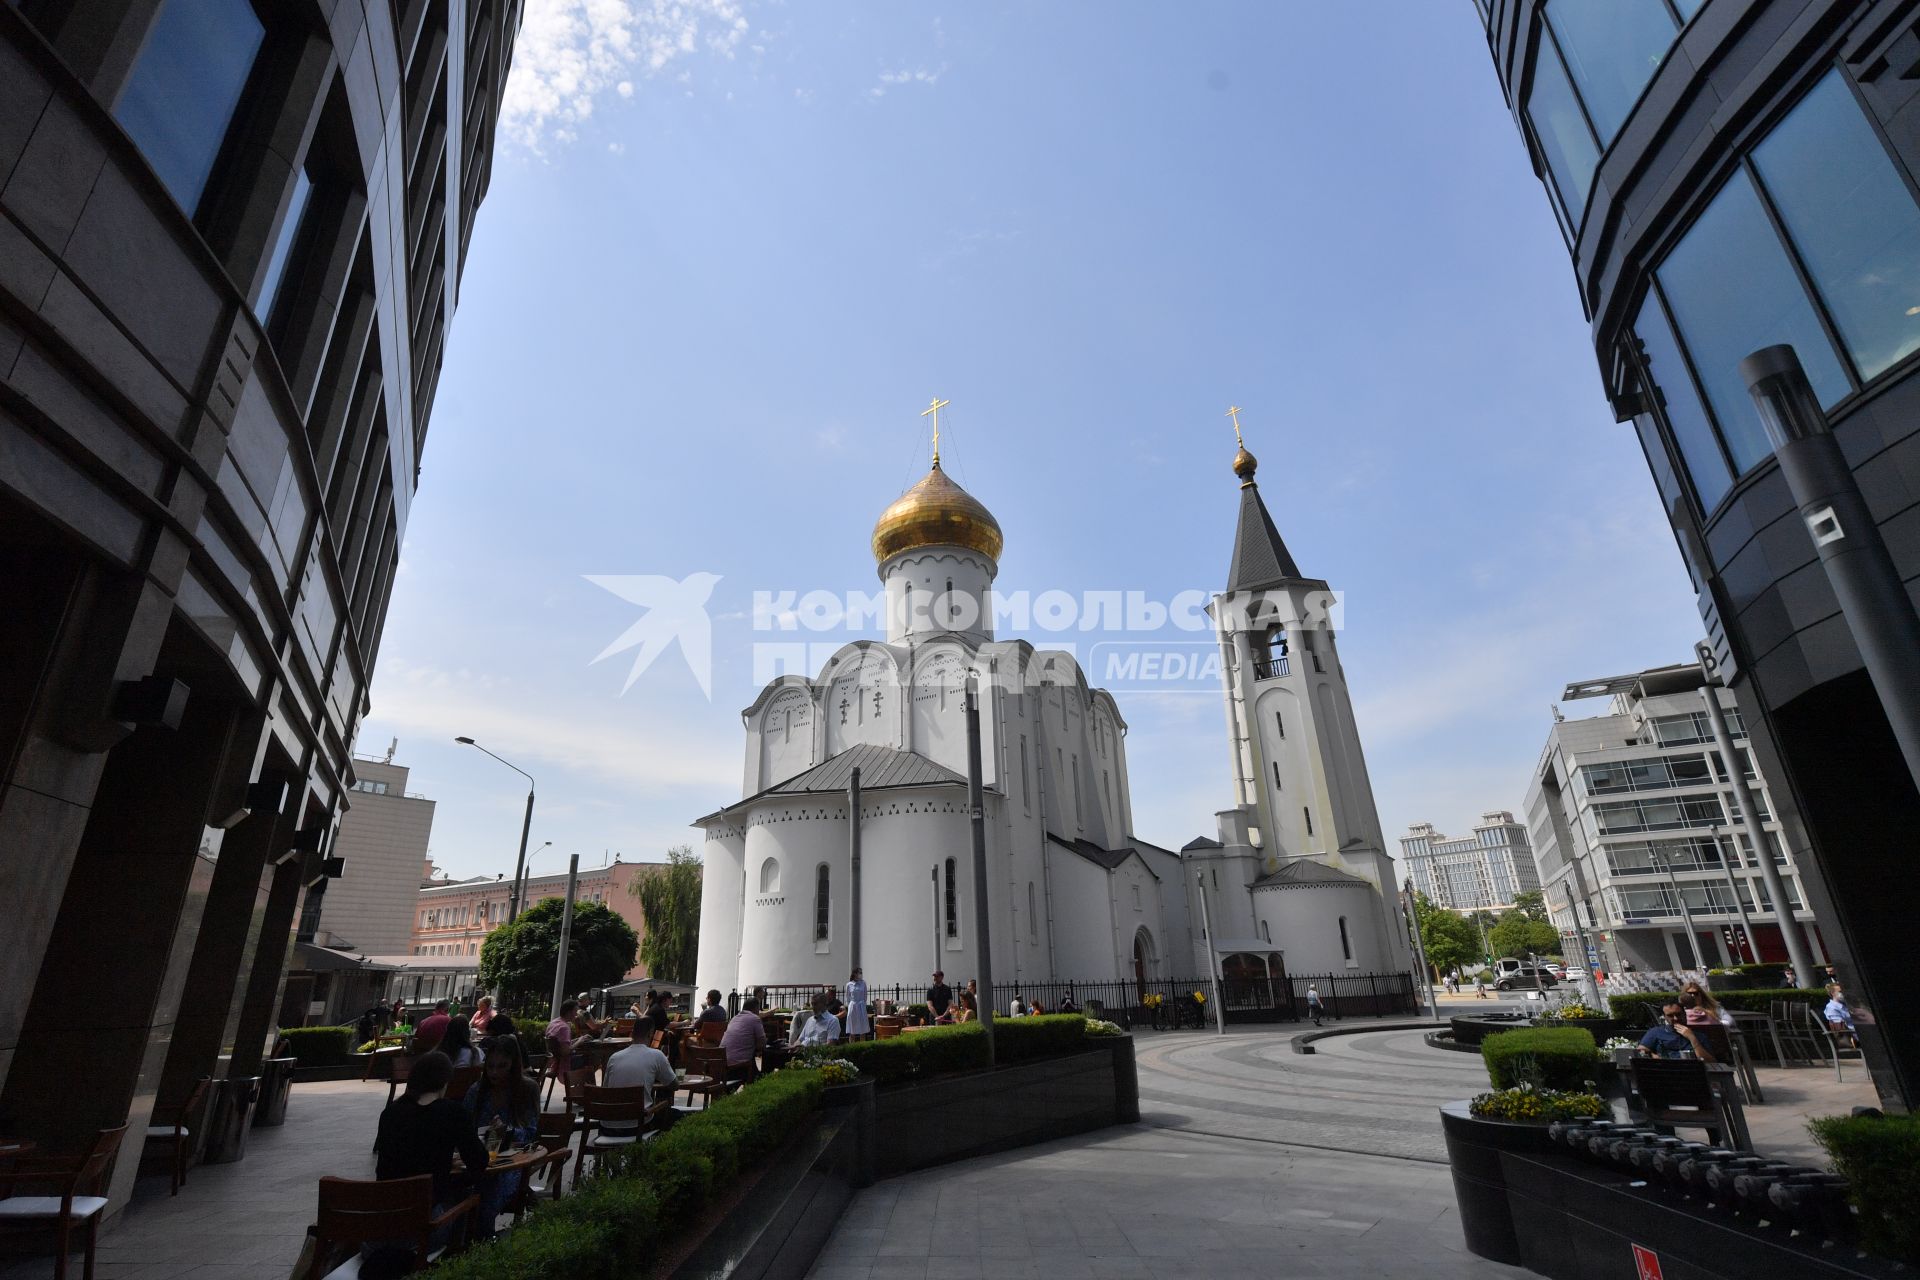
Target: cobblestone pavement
1376,1093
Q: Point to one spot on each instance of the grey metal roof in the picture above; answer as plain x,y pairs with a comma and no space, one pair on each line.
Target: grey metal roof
1303,871
1201,842
878,766
1107,858
1260,558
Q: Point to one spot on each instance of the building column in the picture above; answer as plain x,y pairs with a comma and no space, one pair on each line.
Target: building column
116,960
257,1012
223,949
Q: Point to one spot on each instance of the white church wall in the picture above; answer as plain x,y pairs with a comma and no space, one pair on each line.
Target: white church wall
905,834
1083,918
722,887
936,589
937,715
1291,785
784,731
785,844
863,703
1305,923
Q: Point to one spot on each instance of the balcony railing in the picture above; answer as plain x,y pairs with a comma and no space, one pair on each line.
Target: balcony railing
1269,668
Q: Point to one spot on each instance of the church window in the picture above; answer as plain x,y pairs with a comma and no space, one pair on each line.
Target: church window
1215,873
1136,897
1276,775
1346,943
770,876
1076,793
822,903
1106,787
1266,934
1308,815
1280,723
952,903
1033,917
1026,794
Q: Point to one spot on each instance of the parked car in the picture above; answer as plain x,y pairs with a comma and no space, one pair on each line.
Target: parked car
1558,971
1525,977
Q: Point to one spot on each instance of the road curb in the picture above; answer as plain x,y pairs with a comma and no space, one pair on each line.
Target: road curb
1303,1043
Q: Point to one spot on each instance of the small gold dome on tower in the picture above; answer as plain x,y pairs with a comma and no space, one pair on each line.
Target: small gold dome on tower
936,513
1244,464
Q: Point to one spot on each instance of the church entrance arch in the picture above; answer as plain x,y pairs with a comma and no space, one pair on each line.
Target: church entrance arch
1253,980
1145,963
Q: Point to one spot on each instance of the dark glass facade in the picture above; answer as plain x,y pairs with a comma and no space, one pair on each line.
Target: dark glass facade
1749,178
230,233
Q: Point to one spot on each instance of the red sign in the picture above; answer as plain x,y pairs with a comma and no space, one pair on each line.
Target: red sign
1646,1263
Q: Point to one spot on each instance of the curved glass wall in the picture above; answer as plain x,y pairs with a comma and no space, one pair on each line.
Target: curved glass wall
1612,48
180,98
1561,128
1813,241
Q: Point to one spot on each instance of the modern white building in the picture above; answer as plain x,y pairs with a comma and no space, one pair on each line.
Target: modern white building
1072,893
1484,871
1631,814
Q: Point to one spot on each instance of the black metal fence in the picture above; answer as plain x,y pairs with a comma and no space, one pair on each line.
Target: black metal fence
1163,1002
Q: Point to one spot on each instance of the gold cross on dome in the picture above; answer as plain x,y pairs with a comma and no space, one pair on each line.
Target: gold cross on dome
934,409
1234,413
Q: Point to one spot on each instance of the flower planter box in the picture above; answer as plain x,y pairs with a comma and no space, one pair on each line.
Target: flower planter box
1603,1029
1474,1148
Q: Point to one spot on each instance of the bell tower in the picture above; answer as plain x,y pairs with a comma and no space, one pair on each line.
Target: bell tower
1298,770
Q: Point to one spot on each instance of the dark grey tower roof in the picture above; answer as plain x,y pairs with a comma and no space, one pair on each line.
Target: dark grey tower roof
1260,558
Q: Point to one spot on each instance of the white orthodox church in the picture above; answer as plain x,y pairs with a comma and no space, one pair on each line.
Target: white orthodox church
1297,881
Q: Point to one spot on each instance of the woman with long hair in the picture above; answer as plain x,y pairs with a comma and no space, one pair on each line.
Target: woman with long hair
422,1129
457,1044
1701,1007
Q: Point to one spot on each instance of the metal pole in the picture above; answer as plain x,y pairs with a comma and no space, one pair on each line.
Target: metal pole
1686,912
853,855
977,813
520,864
1746,950
566,935
1587,951
935,873
1420,947
1803,968
1213,970
1873,599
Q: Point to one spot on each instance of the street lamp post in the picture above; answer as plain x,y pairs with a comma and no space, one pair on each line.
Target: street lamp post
1686,912
519,891
1746,951
526,824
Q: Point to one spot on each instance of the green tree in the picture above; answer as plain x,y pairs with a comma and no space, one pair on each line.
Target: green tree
670,906
1515,934
517,960
1532,904
1449,939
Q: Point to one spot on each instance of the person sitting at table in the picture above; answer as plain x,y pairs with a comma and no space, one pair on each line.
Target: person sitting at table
1702,1009
508,1094
560,1039
481,1019
420,1132
823,1027
1671,1037
1066,1002
714,1012
1839,1016
637,1064
500,1025
458,1045
432,1029
968,1008
744,1039
585,1025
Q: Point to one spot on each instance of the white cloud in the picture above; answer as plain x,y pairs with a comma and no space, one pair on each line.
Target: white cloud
905,76
569,52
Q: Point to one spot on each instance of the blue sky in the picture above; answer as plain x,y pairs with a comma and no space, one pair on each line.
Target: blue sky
731,249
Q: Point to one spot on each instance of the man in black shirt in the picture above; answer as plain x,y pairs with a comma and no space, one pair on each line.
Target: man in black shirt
714,1012
939,996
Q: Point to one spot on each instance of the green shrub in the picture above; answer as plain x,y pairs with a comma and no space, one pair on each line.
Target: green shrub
1879,1156
947,1049
1041,1036
887,1061
1756,1001
320,1046
1544,1057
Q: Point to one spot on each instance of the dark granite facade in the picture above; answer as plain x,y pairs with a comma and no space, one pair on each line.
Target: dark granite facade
230,237
1735,71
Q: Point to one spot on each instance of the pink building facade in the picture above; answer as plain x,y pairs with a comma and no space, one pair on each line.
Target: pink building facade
453,917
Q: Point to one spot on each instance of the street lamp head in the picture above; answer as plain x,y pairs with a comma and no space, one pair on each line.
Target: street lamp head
465,741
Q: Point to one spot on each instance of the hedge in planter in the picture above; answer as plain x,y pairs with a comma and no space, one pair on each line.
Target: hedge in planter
887,1061
1879,1156
1038,1036
1626,1006
1545,1057
320,1046
611,1226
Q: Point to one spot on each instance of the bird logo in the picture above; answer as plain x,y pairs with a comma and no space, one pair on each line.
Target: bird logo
674,611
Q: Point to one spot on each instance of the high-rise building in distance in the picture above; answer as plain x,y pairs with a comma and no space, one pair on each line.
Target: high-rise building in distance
1484,871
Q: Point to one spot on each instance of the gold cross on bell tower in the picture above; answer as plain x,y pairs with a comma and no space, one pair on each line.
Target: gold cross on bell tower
934,409
1234,413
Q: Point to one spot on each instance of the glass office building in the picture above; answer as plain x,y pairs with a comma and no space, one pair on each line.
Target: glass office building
230,234
1730,174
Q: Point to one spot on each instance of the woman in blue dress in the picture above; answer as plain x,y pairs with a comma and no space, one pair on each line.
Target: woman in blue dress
506,1093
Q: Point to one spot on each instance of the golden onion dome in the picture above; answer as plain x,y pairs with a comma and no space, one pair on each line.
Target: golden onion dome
936,513
1244,464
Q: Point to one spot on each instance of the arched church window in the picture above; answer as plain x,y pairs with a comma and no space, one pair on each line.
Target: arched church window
822,903
770,876
1266,934
1346,943
952,902
1033,917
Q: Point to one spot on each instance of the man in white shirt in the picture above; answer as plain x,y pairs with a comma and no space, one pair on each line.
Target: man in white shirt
637,1064
824,1028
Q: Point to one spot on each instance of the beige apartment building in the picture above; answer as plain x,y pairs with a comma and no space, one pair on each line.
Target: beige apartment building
383,839
453,917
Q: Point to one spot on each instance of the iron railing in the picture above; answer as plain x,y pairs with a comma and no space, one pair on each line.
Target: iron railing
1268,668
